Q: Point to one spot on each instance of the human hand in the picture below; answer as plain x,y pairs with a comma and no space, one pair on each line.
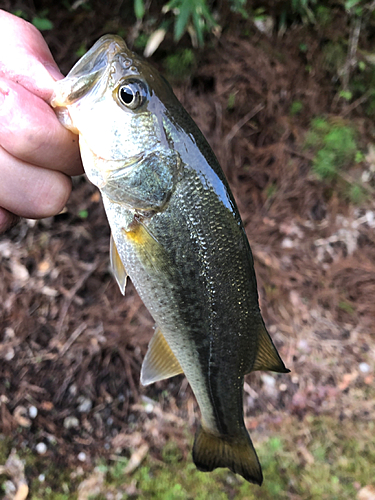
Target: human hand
37,154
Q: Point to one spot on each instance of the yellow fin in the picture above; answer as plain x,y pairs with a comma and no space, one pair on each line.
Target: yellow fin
267,357
236,453
117,266
150,252
159,362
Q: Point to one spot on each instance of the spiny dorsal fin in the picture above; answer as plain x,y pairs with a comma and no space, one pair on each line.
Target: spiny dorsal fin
117,266
267,357
237,453
159,362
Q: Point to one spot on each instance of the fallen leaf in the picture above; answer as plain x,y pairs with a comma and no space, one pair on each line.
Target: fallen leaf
22,492
92,486
136,458
347,379
19,415
366,493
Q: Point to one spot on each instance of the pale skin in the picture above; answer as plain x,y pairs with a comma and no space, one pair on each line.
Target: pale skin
37,154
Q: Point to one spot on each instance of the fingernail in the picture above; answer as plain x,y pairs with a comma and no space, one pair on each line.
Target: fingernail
53,71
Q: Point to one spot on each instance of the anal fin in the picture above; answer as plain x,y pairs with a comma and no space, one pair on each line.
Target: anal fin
267,357
117,266
160,362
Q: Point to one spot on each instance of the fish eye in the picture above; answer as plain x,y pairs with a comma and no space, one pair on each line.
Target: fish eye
132,94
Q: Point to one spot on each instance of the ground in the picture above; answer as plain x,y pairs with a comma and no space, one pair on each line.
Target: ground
71,404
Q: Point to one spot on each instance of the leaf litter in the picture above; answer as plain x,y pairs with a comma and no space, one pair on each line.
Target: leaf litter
72,346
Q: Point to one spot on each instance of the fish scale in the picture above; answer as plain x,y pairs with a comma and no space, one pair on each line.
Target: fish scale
177,233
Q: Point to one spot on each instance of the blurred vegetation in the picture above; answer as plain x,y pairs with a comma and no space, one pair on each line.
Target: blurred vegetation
316,457
346,57
335,148
334,144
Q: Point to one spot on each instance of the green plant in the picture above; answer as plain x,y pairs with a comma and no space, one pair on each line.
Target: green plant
295,108
193,16
304,8
357,194
334,144
335,149
231,101
180,64
40,21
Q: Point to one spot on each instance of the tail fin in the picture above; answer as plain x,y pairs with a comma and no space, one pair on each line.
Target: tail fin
238,454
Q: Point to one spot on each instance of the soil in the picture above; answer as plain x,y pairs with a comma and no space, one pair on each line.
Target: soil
72,345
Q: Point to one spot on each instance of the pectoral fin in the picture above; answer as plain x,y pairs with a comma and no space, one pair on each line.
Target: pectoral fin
159,362
267,357
151,253
117,266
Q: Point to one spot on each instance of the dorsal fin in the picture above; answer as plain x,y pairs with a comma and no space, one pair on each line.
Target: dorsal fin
267,357
159,362
117,266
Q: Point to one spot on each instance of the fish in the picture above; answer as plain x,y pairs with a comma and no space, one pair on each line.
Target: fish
177,233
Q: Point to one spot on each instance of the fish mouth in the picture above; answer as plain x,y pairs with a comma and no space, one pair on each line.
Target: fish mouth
89,71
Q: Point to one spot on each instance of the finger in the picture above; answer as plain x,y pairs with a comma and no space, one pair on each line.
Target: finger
30,191
7,220
25,57
30,131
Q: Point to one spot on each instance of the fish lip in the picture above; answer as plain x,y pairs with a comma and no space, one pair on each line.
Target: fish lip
96,66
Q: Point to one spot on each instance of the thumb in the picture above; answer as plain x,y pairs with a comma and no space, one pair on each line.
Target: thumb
25,57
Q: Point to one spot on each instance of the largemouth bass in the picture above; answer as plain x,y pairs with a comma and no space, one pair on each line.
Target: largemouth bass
176,231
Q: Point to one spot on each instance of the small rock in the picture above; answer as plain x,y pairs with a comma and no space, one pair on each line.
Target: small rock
149,408
303,345
41,448
73,390
85,404
71,422
9,354
9,333
269,384
19,271
287,243
33,412
364,368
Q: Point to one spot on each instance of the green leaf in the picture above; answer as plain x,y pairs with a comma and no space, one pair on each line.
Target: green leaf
139,9
20,13
295,108
359,157
42,23
198,26
346,94
83,214
81,50
182,20
349,4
